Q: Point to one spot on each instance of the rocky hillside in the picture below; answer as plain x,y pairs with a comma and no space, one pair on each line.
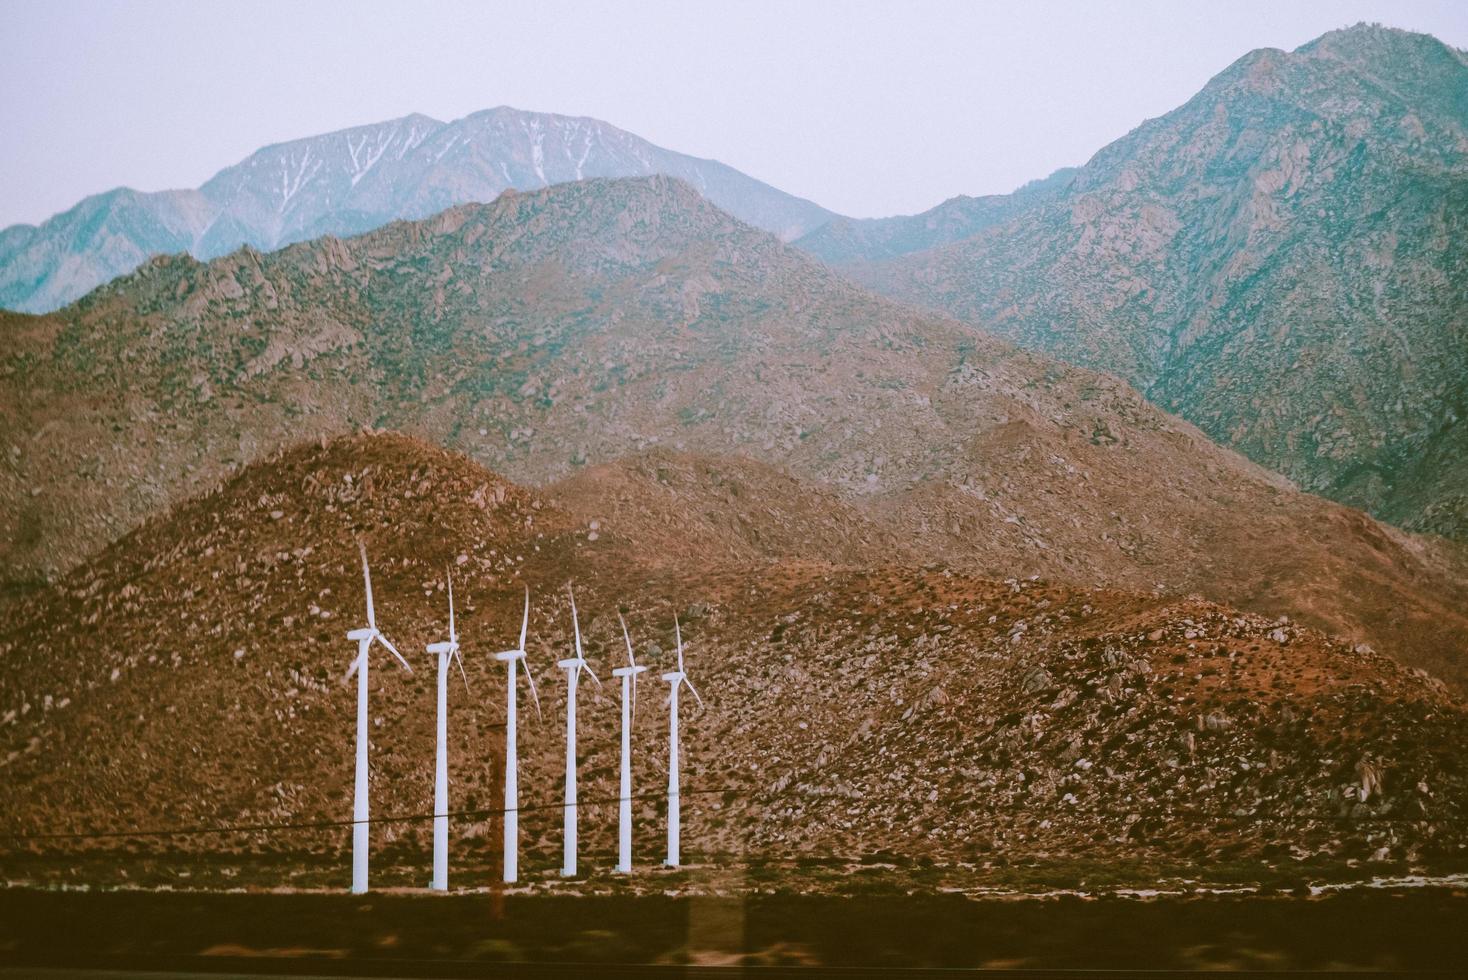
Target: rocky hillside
577,326
668,505
191,673
349,182
1281,261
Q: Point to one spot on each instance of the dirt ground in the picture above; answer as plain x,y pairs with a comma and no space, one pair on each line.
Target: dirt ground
1390,929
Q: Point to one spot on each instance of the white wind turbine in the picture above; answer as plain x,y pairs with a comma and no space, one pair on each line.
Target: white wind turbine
573,667
624,812
512,774
364,638
446,651
676,678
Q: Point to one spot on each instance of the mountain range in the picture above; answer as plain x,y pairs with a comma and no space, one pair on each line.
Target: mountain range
594,323
1278,260
351,181
1281,261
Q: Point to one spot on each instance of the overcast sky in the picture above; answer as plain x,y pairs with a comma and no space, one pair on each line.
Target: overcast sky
867,108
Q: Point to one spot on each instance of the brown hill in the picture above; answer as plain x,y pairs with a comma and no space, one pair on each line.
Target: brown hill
1064,509
166,678
191,674
667,506
548,332
1059,507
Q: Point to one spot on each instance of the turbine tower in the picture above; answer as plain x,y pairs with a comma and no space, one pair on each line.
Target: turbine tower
512,774
573,666
624,812
364,638
446,651
676,678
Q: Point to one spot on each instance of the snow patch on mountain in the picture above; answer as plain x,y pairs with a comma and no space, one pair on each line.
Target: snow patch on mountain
300,189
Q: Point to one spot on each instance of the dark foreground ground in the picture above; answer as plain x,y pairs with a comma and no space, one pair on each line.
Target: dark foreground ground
415,934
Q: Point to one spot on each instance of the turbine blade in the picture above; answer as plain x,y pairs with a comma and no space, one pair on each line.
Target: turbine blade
525,623
367,577
356,662
634,695
678,632
533,695
631,660
576,624
394,650
695,692
460,661
587,667
453,633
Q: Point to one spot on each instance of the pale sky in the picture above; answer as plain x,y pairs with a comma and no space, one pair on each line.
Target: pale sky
867,108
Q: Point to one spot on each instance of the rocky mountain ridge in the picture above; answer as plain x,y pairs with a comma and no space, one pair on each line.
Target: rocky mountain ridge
1280,261
352,181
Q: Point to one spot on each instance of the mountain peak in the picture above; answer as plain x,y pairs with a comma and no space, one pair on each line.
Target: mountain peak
1365,42
518,113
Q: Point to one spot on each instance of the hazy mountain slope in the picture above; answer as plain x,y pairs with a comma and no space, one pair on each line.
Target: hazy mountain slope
1281,260
867,239
102,236
352,181
191,674
588,322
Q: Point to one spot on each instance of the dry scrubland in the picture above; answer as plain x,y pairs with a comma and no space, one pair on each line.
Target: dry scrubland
908,715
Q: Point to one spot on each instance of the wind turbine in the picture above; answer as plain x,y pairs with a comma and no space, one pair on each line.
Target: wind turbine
573,667
446,651
676,678
624,813
512,775
364,638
